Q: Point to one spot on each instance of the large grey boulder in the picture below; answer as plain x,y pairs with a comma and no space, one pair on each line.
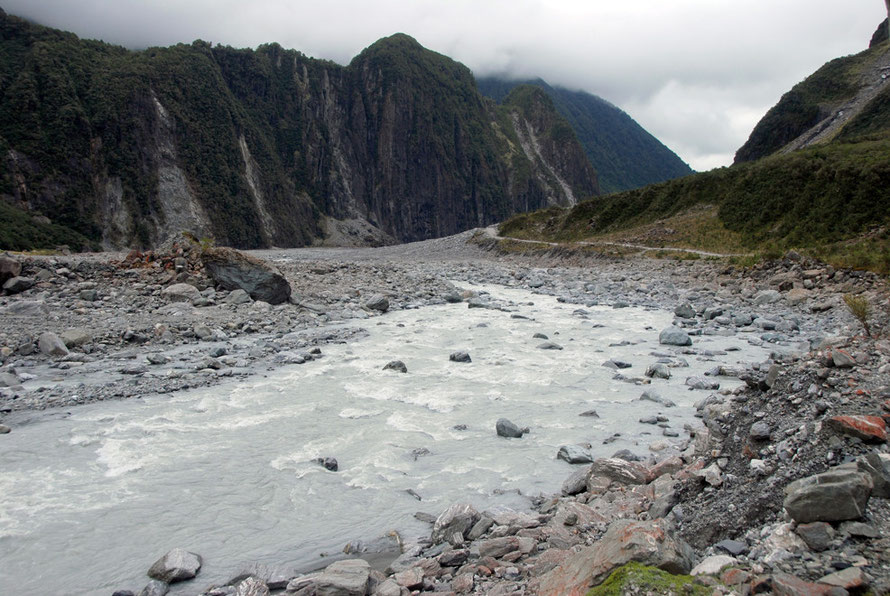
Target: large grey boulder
17,285
344,578
835,495
181,293
685,311
458,520
674,336
648,542
233,270
51,344
9,267
176,566
574,454
507,429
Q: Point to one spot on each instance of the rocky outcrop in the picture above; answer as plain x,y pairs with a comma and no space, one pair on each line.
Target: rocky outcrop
233,270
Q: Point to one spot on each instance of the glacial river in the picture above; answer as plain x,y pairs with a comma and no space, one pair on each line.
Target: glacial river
90,500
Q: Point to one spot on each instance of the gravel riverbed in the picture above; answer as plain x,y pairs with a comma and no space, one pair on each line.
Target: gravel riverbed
90,328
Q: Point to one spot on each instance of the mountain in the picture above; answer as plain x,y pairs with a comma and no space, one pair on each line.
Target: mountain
624,155
846,99
815,175
268,147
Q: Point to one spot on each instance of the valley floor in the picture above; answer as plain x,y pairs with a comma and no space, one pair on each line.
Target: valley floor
817,403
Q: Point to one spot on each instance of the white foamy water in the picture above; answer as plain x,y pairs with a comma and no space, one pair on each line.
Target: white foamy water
88,502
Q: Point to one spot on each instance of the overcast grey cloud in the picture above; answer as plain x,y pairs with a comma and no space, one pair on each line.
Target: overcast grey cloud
698,74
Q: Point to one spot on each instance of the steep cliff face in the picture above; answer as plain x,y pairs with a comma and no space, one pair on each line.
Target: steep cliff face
265,147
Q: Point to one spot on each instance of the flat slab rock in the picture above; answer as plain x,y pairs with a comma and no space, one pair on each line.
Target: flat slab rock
868,428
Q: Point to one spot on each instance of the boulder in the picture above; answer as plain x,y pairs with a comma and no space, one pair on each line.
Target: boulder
460,356
9,267
507,429
648,542
232,270
574,454
619,470
498,547
458,519
702,383
816,535
877,465
17,285
181,293
176,566
236,297
251,586
396,365
377,302
655,398
27,308
155,588
760,431
713,565
51,344
685,311
658,371
835,495
344,578
674,336
868,428
789,585
767,297
576,483
75,337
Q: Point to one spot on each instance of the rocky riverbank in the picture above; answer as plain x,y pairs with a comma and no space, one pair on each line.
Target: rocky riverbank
719,503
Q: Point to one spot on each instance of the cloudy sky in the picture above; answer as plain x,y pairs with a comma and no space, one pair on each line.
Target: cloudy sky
698,74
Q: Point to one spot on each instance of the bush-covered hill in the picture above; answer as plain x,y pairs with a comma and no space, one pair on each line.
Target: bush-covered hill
624,155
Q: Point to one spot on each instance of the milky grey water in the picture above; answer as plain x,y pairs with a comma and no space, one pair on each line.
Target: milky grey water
89,501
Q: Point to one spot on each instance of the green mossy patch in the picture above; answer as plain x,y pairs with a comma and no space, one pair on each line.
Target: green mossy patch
634,578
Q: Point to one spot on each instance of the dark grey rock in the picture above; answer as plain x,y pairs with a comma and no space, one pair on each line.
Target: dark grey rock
760,431
658,371
507,429
9,267
859,530
549,345
176,566
589,414
574,454
539,336
655,398
576,483
460,356
877,465
816,535
702,383
329,463
17,285
458,519
733,547
685,311
155,588
237,296
835,495
396,365
232,270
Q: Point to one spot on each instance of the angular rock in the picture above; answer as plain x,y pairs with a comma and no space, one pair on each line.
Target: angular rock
877,465
647,542
9,267
251,586
498,547
674,336
702,383
767,297
410,578
17,285
835,495
396,365
841,359
176,566
181,292
73,338
51,344
460,356
236,297
454,558
733,547
619,470
507,429
574,454
344,578
457,519
232,270
816,535
760,431
789,585
685,311
377,302
868,428
658,371
576,483
851,578
155,588
713,565
549,345
27,308
388,588
655,398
